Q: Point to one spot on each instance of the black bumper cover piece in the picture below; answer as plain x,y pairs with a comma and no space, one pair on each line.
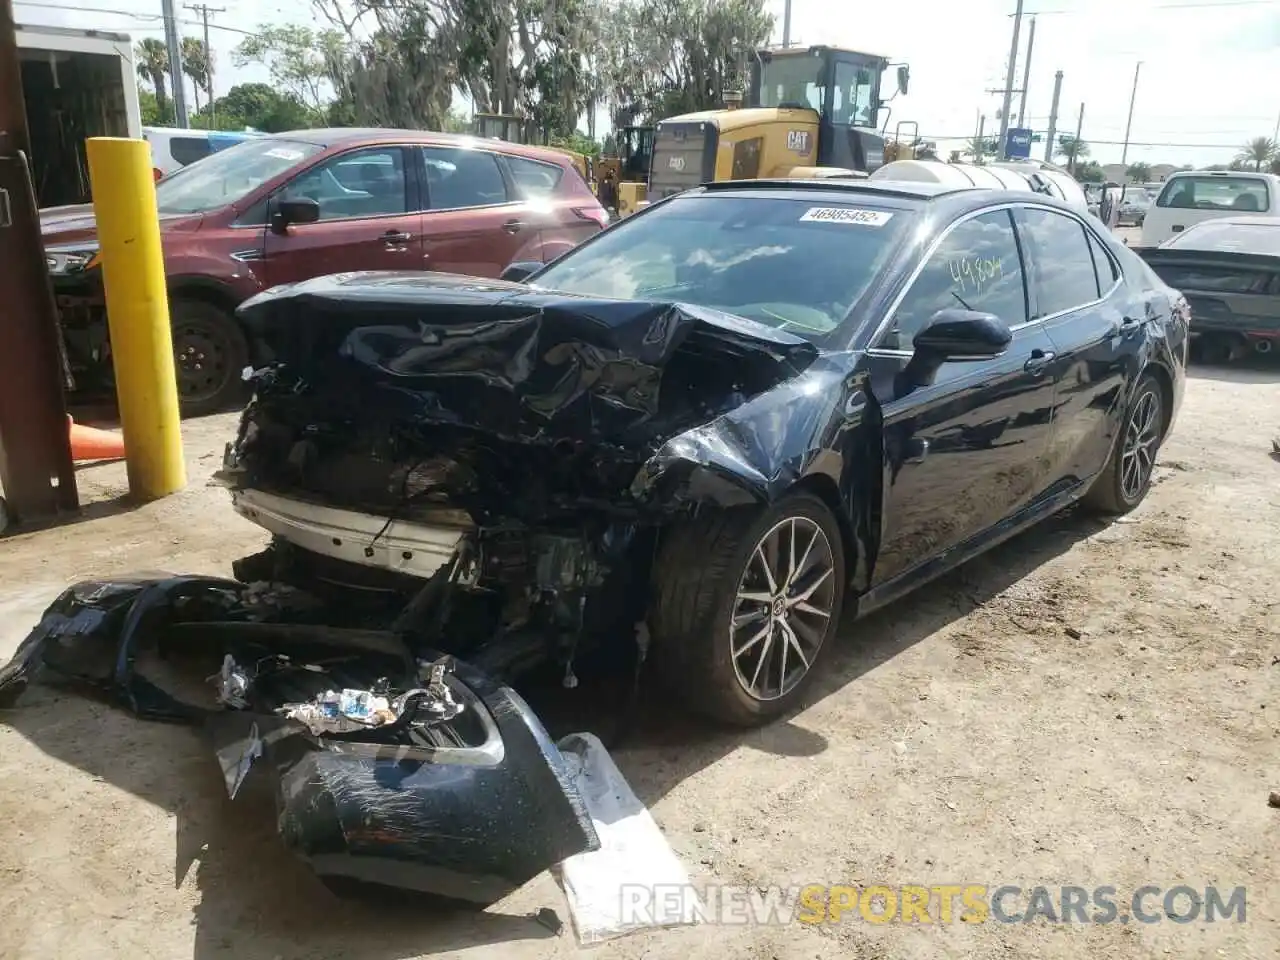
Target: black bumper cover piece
469,823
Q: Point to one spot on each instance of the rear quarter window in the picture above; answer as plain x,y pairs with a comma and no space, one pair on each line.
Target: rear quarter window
534,179
1225,194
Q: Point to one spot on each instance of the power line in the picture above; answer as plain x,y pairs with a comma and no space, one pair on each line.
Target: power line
1204,5
131,14
1110,143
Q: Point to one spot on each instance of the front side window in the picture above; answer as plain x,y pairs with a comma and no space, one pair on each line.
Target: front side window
359,183
228,176
458,178
854,95
976,267
795,265
1064,275
1224,194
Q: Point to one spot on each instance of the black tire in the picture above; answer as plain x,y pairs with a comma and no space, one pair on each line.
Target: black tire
698,572
1116,492
210,353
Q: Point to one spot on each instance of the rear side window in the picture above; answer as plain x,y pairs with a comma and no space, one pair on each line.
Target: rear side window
1064,277
534,179
187,150
458,178
1225,194
976,267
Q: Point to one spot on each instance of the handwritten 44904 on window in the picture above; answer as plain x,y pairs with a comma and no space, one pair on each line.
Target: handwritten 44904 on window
975,273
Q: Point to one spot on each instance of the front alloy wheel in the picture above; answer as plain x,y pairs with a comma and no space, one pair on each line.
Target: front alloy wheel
784,602
745,603
1141,439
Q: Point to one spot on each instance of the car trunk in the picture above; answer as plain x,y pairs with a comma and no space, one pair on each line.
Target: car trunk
1226,290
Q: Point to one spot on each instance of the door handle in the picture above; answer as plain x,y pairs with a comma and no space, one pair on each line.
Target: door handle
1038,360
513,226
393,236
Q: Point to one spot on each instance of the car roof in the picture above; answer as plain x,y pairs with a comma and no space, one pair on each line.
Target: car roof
339,136
899,194
1223,174
1239,234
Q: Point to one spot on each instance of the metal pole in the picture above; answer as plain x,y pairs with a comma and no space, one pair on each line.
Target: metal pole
1053,116
204,10
174,44
36,472
1026,71
1133,95
1075,145
786,24
1008,82
978,144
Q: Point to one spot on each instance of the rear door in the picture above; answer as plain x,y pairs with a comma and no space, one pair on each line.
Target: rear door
1095,325
370,217
967,450
573,214
475,222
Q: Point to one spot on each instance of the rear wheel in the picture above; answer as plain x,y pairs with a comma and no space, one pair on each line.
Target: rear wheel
746,605
1127,477
210,353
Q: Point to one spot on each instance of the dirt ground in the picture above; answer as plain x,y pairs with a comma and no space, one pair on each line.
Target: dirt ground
1085,705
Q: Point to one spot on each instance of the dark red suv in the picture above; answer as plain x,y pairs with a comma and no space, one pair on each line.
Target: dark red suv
298,205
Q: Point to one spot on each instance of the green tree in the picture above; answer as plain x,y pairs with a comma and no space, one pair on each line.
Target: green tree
151,112
1072,149
976,148
152,59
1138,172
262,107
1257,153
197,65
299,59
1090,172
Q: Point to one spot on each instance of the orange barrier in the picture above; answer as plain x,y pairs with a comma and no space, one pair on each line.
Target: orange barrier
88,443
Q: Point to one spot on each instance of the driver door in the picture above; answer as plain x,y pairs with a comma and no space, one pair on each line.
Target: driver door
970,449
370,218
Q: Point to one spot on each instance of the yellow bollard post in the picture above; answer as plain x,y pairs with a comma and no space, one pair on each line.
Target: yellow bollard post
124,204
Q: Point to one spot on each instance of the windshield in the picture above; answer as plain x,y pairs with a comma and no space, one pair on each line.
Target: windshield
224,177
793,79
1241,194
795,265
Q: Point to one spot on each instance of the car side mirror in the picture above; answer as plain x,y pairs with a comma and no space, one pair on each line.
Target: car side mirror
521,270
298,210
954,334
904,77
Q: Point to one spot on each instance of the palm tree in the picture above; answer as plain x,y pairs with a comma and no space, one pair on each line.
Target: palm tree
153,65
196,62
1073,149
1257,152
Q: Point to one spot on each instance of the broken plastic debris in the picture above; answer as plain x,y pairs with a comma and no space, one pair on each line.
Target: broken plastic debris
233,684
350,710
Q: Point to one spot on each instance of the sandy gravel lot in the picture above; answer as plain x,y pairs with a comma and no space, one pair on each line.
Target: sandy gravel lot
1086,705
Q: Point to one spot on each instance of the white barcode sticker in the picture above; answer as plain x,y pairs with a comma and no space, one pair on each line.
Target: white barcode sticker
866,218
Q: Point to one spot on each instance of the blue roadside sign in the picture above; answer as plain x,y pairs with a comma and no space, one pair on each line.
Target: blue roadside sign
1018,143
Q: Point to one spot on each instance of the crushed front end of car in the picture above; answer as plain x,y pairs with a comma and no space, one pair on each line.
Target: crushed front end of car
485,467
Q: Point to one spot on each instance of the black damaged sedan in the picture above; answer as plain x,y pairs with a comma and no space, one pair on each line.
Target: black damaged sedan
707,432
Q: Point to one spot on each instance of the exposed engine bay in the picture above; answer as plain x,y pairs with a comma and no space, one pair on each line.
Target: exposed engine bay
480,466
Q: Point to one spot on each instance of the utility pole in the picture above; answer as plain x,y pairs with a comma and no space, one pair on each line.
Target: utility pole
204,11
1008,82
980,145
1075,145
786,24
1053,116
1026,72
36,472
1133,95
174,44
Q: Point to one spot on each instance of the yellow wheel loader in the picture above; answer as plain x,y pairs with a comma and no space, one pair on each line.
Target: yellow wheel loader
809,112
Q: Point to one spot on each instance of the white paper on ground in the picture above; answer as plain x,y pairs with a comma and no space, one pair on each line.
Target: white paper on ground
634,881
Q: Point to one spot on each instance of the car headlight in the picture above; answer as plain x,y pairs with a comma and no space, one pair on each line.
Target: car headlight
64,260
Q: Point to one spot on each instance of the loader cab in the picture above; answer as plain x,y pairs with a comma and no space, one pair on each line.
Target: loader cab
841,86
635,152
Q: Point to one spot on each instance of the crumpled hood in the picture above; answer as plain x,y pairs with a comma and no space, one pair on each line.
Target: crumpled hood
512,359
76,222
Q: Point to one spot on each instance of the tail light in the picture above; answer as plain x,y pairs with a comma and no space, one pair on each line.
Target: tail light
596,214
156,174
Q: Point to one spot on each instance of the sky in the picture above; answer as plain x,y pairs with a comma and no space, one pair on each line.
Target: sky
1209,80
